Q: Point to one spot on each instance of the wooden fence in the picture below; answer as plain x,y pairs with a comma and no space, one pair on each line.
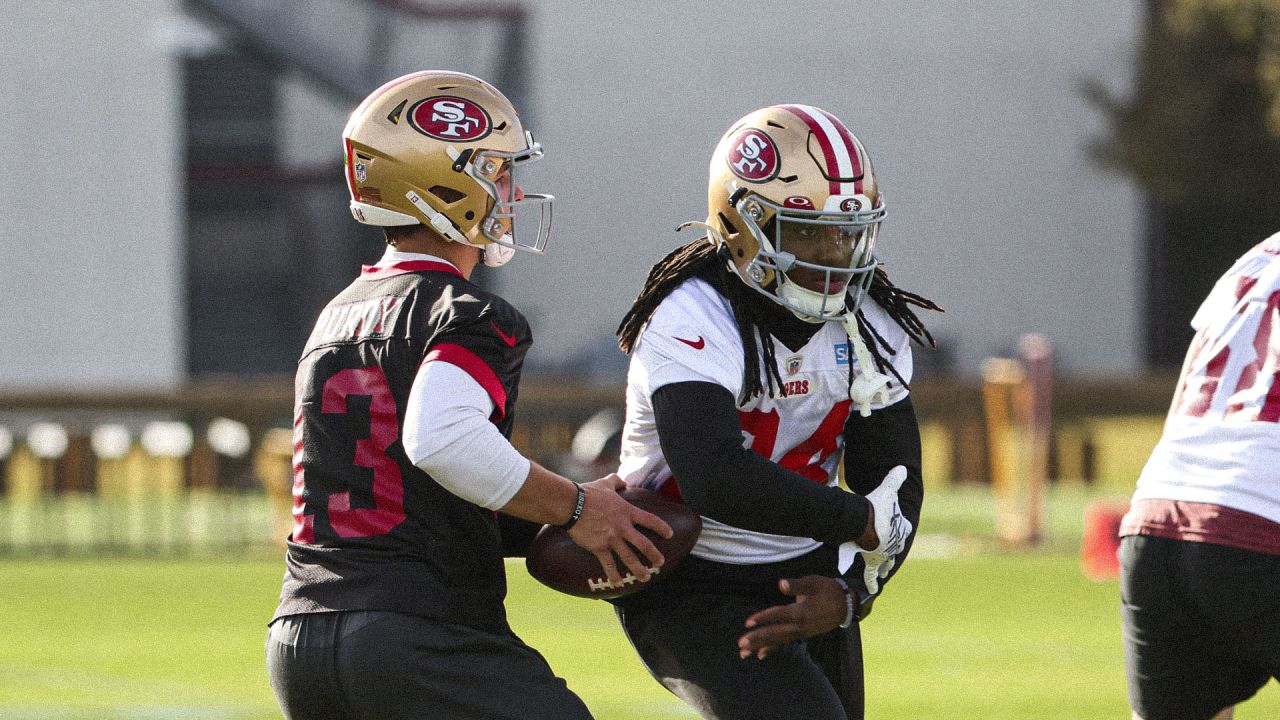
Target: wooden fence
206,467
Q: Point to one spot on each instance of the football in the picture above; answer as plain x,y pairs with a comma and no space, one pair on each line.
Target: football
557,562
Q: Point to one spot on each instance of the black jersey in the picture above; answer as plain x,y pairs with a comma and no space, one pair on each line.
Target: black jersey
371,530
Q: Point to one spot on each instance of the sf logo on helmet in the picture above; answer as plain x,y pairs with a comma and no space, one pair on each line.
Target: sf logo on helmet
450,118
753,156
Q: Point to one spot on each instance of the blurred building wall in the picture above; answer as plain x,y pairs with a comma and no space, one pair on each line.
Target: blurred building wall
91,245
969,111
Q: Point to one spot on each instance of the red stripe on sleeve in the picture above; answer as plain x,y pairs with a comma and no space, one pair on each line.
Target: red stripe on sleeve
476,368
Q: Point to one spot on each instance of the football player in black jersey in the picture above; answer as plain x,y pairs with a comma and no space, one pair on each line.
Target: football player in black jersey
406,489
759,354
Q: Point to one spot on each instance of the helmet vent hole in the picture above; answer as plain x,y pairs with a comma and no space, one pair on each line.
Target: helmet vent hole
789,178
775,123
446,194
393,117
500,126
471,215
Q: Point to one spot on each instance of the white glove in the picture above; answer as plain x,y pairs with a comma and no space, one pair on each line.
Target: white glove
878,567
892,527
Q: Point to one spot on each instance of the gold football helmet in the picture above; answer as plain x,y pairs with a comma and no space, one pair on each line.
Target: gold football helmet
793,196
440,148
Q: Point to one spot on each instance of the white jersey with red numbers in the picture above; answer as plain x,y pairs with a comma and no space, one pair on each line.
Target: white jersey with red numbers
1221,442
693,336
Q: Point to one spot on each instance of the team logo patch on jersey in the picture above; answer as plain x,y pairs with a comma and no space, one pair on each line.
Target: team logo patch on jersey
793,364
843,353
450,118
753,156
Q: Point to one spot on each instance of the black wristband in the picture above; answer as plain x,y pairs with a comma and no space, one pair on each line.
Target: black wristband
577,509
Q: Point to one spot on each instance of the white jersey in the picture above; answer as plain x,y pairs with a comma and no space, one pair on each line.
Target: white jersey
693,336
1221,441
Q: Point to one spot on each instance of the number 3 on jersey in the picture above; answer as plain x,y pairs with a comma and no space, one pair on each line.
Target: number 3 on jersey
370,452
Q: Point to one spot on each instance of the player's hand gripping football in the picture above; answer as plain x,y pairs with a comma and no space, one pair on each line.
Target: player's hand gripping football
891,530
820,606
608,528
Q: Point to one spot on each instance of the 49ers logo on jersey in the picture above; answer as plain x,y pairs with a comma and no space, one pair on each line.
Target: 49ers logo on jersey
450,118
753,156
792,388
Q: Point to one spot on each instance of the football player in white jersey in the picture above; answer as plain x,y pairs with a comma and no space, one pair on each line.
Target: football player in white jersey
1200,554
758,354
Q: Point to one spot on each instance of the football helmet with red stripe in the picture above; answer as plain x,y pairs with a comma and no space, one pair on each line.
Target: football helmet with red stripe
440,149
793,196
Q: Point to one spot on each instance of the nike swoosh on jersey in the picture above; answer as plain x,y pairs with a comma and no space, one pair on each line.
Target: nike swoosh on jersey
510,340
695,344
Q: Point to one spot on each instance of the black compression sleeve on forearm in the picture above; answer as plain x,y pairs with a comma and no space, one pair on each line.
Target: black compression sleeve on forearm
719,478
873,446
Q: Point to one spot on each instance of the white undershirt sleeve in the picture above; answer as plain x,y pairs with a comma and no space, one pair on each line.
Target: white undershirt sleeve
447,434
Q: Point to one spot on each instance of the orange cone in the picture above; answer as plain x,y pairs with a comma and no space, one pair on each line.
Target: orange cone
1101,539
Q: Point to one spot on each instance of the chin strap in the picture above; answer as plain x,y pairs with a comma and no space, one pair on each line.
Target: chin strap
868,383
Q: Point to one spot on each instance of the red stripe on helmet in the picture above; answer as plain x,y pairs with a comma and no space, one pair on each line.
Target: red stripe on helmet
828,151
351,170
833,141
852,145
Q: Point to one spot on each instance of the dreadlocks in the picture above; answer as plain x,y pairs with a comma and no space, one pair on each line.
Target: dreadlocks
702,259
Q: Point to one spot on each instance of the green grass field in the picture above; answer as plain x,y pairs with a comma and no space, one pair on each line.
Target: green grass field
965,631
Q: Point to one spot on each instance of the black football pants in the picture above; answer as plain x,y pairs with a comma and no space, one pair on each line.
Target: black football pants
1201,625
388,666
686,631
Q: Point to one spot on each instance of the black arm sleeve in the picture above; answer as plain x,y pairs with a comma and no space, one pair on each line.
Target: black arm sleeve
873,446
701,439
